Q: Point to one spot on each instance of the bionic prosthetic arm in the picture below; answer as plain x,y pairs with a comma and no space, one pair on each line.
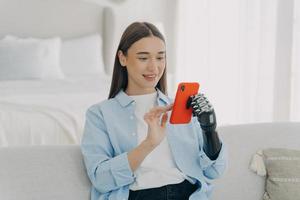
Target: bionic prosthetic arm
206,116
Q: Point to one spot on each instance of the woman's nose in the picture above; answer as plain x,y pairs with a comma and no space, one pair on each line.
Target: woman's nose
153,65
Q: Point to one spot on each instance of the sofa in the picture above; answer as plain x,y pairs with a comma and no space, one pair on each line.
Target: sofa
57,172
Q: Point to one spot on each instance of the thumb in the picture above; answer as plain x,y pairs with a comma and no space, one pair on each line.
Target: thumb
164,119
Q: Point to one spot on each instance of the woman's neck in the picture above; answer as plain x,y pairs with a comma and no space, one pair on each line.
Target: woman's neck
140,92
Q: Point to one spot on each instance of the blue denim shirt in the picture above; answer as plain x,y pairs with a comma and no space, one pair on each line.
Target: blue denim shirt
110,133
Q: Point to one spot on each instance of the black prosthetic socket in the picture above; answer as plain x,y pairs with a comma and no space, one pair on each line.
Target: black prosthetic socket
211,142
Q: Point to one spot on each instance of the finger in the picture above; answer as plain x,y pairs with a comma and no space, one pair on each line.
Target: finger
189,101
150,117
162,108
164,120
199,97
203,103
146,119
159,112
151,121
169,107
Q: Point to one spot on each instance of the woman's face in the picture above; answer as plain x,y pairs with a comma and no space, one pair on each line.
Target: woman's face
145,63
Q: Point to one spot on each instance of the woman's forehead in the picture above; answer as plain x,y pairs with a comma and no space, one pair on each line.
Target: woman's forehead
148,44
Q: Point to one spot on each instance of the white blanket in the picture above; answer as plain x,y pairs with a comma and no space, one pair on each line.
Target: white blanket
47,112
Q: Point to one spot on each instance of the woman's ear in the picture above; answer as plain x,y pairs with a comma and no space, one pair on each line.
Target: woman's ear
122,58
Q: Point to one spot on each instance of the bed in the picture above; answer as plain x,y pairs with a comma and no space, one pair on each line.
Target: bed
47,112
37,106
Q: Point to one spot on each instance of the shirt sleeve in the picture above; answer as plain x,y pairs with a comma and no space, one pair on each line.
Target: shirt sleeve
106,171
212,169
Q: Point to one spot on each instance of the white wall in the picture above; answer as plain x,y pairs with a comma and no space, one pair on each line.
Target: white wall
284,42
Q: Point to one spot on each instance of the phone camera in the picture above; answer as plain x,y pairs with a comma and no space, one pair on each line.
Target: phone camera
182,88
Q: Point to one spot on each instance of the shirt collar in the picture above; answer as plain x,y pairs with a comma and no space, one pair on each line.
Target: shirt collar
125,100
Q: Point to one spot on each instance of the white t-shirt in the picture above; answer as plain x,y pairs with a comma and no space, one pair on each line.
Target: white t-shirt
158,168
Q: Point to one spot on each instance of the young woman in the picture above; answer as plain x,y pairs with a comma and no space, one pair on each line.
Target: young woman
130,149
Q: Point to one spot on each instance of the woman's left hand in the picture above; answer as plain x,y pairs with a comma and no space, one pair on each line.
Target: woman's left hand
204,111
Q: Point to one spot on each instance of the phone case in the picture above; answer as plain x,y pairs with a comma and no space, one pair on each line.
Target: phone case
180,114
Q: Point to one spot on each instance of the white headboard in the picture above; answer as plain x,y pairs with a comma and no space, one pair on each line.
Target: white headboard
48,18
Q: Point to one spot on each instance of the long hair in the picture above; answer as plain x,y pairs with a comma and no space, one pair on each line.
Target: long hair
133,33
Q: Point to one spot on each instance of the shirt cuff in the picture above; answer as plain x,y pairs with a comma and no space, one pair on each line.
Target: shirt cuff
206,162
121,170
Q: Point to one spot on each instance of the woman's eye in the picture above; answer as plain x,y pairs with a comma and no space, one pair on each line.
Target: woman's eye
160,58
142,59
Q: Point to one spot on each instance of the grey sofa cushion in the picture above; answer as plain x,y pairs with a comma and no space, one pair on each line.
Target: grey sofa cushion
43,172
283,174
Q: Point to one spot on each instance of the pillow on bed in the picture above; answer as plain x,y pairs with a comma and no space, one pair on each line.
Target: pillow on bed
51,54
282,170
21,60
82,56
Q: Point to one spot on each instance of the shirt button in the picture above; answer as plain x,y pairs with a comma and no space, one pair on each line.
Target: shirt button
131,117
133,133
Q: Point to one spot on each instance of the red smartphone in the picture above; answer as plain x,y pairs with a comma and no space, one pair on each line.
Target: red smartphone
180,114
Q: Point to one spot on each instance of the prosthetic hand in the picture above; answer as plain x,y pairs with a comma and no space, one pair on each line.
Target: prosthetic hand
206,116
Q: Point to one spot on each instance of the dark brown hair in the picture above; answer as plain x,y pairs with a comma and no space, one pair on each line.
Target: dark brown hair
133,33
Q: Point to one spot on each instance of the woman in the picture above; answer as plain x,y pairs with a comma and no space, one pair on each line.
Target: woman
129,148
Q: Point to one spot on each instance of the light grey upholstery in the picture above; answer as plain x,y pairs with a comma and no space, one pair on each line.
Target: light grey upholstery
239,182
58,172
43,173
